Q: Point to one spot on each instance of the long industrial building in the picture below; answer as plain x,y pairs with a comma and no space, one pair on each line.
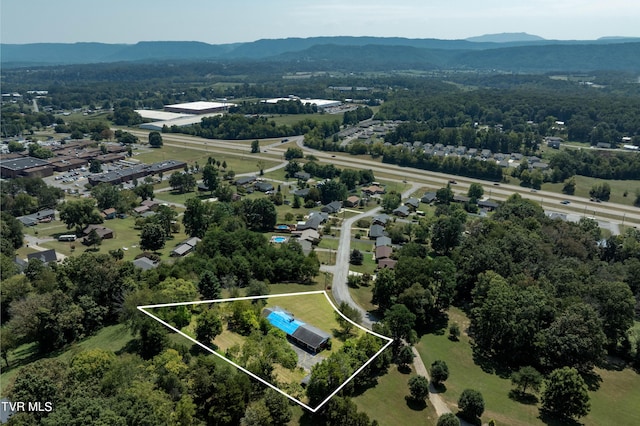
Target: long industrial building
135,172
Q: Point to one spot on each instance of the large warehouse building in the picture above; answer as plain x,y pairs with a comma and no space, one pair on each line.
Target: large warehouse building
320,103
198,108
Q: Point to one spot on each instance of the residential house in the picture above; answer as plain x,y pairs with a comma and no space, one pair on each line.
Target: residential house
381,219
314,221
45,215
540,165
109,213
461,199
487,205
332,207
245,180
185,247
301,333
402,211
301,192
373,190
152,204
428,197
145,263
310,235
352,201
45,257
102,231
383,241
263,186
141,209
412,203
387,263
376,231
302,175
383,252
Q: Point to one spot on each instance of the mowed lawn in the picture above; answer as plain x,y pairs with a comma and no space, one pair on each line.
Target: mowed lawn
615,403
386,402
618,188
125,237
315,310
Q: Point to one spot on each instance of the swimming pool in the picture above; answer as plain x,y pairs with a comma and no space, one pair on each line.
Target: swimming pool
279,240
282,227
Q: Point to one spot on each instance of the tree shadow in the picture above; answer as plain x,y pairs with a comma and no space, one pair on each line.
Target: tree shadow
133,346
592,379
342,335
437,387
438,325
523,397
613,363
489,365
415,405
466,421
552,420
404,369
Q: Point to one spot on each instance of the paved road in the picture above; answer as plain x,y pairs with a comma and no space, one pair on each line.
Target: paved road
617,213
340,270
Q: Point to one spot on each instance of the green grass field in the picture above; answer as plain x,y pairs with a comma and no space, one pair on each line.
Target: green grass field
295,118
386,402
124,236
111,338
619,389
618,188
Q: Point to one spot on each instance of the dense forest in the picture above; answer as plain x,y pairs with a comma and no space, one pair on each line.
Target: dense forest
524,280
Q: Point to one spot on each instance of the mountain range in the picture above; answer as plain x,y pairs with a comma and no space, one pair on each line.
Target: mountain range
518,52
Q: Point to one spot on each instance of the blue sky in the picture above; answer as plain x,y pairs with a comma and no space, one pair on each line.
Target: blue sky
217,22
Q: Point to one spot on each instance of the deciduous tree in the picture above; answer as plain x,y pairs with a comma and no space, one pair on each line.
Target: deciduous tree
471,405
419,388
152,237
565,394
439,372
155,139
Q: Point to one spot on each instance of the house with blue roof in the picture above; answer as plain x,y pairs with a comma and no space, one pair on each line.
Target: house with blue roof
304,335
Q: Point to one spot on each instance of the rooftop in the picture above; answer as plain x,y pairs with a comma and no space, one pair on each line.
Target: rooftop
22,163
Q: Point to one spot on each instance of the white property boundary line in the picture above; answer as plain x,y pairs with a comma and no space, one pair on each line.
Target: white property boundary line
200,302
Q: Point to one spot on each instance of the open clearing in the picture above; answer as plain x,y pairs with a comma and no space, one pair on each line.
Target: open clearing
317,311
615,403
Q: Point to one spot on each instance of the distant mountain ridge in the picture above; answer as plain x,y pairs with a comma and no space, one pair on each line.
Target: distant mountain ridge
505,38
527,52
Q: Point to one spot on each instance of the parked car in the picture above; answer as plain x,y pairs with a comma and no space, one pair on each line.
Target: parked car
565,202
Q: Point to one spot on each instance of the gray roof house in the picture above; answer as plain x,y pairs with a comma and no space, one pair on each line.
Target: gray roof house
332,207
412,202
44,256
402,211
381,219
185,247
245,180
314,221
145,263
41,216
428,197
376,231
302,175
263,186
383,241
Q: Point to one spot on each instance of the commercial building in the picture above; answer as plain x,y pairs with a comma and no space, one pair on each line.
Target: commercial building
320,103
24,167
198,108
138,171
